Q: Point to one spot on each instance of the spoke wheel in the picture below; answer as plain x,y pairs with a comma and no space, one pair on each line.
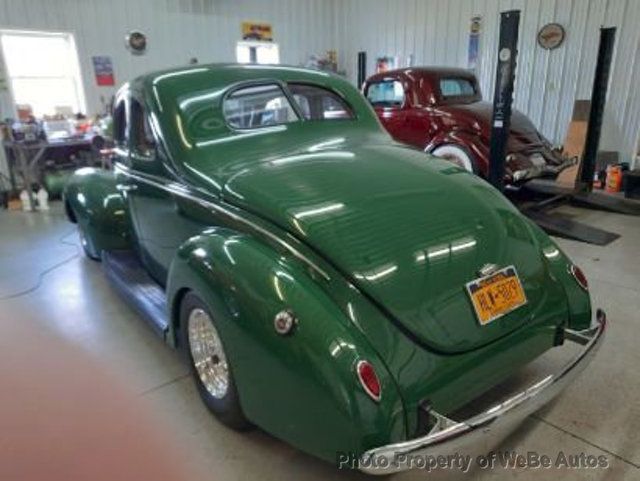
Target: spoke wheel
207,353
201,342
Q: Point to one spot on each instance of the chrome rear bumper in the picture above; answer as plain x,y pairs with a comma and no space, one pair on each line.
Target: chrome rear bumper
448,437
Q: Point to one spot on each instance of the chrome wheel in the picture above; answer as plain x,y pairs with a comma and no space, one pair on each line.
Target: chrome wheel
207,353
83,239
87,246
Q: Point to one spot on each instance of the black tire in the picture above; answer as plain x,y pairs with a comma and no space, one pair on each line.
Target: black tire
227,408
88,246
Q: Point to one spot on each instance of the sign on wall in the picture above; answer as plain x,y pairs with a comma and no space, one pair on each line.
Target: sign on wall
474,42
103,68
257,31
551,36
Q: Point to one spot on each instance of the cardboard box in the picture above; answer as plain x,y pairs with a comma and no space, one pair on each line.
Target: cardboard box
573,147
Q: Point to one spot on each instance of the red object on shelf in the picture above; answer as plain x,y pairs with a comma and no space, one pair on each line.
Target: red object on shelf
614,179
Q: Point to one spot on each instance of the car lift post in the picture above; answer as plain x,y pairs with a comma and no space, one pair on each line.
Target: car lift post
500,127
362,68
582,193
584,179
503,95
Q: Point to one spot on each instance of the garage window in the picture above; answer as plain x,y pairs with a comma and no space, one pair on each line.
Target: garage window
385,94
317,103
44,71
266,53
258,106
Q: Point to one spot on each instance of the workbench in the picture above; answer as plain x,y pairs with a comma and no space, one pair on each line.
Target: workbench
24,159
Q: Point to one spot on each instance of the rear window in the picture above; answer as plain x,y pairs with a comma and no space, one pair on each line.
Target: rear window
457,87
317,103
389,93
258,106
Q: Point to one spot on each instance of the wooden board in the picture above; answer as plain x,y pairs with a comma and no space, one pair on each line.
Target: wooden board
573,147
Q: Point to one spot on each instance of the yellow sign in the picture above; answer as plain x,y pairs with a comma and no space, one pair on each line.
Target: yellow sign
257,31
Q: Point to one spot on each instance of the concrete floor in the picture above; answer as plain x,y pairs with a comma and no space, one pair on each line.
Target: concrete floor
599,414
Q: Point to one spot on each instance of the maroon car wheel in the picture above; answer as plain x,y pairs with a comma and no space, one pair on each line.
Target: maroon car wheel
456,154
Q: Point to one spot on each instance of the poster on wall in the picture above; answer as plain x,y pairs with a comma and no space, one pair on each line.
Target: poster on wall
257,31
103,68
386,63
474,42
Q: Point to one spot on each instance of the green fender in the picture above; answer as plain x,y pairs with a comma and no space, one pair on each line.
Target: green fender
578,300
95,204
299,387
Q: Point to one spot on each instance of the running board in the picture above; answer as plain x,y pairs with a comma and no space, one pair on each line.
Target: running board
127,275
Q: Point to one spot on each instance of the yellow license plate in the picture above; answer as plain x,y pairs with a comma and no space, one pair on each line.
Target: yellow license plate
495,295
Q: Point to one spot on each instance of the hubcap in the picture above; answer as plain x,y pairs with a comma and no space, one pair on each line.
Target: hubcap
455,160
83,239
207,353
455,155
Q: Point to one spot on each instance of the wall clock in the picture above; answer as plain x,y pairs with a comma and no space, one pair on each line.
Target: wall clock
136,42
551,36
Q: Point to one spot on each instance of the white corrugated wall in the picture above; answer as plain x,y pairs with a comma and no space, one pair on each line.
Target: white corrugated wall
436,32
177,30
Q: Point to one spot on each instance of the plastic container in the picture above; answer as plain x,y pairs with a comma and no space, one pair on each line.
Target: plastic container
43,199
26,201
614,178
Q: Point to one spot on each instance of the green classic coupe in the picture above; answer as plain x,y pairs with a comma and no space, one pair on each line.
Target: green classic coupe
339,290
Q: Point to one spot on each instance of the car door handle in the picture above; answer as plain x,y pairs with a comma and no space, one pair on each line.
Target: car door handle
126,187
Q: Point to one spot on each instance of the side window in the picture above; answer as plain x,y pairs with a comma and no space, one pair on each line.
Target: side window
388,93
258,106
457,87
142,140
120,122
317,103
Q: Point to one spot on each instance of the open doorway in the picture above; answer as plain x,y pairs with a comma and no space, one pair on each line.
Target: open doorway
43,72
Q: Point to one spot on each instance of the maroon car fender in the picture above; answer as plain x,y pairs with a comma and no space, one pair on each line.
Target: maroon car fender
469,141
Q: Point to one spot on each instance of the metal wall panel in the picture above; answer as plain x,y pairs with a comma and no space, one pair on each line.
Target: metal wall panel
548,82
435,32
177,30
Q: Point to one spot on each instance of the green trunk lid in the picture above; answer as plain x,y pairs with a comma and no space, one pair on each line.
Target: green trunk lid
407,230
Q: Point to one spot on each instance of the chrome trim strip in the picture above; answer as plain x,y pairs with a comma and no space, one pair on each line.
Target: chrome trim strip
455,435
184,191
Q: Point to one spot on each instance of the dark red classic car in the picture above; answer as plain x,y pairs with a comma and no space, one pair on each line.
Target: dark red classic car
440,110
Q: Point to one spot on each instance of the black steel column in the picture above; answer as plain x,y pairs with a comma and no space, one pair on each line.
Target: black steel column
503,95
584,181
362,68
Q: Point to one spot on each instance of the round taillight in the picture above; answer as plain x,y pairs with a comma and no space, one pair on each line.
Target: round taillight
368,379
579,276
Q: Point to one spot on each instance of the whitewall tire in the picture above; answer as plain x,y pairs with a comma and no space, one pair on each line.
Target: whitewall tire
455,154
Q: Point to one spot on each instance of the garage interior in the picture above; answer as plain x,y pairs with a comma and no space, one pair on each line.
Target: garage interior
63,322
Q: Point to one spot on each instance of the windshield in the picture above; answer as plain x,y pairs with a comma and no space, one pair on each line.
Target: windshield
388,93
